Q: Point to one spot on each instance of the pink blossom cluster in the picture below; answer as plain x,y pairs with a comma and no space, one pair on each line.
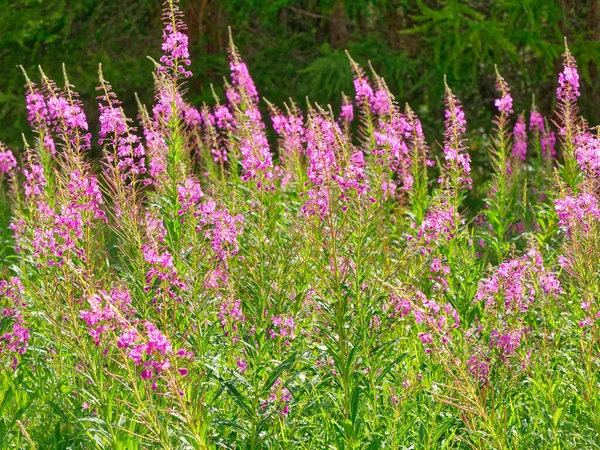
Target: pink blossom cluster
321,142
222,117
220,120
505,102
36,108
15,340
191,117
519,150
439,274
39,118
153,353
66,117
393,309
57,231
455,151
157,149
115,131
35,181
176,56
439,224
396,307
169,103
221,228
547,137
108,311
536,122
546,280
507,295
587,150
111,318
548,145
257,160
347,110
592,314
231,317
363,90
290,128
243,84
568,80
84,194
354,178
392,150
7,161
377,102
577,212
51,239
324,142
440,320
162,270
279,399
283,326
510,283
189,194
478,365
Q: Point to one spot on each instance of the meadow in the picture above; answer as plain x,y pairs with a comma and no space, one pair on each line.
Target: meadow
308,278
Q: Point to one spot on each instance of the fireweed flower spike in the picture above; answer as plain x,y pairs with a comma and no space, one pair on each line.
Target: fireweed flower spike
383,100
370,102
568,80
67,119
290,128
38,118
418,151
567,111
216,124
520,138
364,94
7,161
458,162
505,102
347,111
321,144
391,150
500,197
176,56
125,162
327,169
547,138
587,150
256,158
387,136
14,339
170,110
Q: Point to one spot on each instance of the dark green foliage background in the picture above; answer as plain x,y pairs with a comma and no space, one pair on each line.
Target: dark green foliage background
296,47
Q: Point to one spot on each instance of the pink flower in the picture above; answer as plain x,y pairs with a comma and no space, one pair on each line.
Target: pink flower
457,158
536,122
568,79
7,160
577,211
347,111
176,56
505,102
520,139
